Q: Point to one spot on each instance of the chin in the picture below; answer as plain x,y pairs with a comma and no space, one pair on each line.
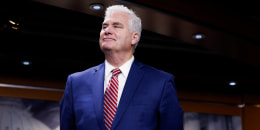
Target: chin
106,47
107,44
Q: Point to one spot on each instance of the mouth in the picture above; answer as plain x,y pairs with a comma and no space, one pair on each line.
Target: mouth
108,39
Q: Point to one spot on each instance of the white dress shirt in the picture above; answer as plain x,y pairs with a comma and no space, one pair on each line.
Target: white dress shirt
125,68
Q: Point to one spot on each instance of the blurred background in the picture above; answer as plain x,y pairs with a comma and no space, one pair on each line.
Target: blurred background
211,47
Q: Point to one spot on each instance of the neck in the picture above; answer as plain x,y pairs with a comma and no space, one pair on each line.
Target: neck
117,60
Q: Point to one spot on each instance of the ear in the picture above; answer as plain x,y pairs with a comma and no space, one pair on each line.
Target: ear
135,37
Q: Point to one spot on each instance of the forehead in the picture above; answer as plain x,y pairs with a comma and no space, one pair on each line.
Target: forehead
118,17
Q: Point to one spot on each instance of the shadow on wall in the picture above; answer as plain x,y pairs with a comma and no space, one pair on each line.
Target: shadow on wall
201,121
30,114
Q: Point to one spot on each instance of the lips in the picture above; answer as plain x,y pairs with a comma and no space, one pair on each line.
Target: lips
108,38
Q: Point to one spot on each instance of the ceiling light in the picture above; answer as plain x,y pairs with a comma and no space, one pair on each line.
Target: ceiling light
96,6
232,83
12,22
198,36
257,105
26,63
241,105
15,28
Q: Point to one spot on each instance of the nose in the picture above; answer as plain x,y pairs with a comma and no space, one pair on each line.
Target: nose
108,31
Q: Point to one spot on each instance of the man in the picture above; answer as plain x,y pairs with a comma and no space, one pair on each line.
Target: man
121,93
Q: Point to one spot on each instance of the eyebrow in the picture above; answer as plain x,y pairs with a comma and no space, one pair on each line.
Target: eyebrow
114,23
117,23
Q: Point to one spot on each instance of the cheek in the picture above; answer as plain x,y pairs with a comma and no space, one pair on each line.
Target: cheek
101,34
125,42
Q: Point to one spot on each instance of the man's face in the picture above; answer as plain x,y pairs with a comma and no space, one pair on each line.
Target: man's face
115,34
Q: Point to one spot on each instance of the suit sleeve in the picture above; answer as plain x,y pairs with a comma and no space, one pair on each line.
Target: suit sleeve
67,121
171,113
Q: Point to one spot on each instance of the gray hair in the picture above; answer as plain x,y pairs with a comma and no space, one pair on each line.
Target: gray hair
135,24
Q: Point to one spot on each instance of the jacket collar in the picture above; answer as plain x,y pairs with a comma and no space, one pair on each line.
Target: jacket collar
135,76
98,93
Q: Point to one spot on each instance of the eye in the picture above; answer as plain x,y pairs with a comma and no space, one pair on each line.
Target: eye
117,26
104,26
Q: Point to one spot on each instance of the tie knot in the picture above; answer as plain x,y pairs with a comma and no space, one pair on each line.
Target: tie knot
116,72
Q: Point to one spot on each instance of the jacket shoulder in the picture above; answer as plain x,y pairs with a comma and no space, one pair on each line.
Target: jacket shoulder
87,71
156,72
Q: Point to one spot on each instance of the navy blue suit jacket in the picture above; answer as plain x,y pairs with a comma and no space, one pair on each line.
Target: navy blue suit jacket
148,102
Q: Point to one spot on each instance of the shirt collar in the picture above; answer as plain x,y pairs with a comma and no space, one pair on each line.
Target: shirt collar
125,68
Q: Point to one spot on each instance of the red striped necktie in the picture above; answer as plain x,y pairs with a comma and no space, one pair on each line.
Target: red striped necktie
110,99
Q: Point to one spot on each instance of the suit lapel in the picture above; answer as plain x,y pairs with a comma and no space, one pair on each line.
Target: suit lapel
98,94
132,83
